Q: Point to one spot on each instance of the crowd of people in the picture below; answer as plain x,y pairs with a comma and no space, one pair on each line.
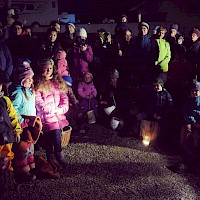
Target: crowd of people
67,79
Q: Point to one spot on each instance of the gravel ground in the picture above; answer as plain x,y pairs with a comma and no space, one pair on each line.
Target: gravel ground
105,166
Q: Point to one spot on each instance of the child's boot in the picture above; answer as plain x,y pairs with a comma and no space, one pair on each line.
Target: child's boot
53,162
61,160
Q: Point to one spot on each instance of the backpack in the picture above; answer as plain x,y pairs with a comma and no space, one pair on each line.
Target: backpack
6,129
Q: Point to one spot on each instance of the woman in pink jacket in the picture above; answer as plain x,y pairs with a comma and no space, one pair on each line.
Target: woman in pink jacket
82,56
51,105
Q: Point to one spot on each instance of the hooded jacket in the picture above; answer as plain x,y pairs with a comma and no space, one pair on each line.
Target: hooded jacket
47,102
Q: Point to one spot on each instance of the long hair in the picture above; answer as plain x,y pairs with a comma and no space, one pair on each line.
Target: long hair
42,84
25,93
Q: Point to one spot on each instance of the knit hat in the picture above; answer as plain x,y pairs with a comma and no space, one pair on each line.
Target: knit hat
195,86
174,26
24,70
196,31
124,15
82,33
11,12
71,24
144,24
156,28
68,80
114,74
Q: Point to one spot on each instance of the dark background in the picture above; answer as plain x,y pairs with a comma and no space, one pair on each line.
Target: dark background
94,11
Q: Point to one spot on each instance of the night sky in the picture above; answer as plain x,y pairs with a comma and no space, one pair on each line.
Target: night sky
95,11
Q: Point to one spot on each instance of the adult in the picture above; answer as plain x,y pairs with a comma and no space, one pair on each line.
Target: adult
142,52
162,49
193,53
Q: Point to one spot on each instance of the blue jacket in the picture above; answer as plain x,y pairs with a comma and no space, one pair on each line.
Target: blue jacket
22,105
191,110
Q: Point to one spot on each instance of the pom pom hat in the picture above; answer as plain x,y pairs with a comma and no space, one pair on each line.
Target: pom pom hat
82,33
24,70
144,24
71,24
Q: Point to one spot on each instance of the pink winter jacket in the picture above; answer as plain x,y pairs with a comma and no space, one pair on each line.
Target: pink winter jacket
81,62
62,67
84,89
51,107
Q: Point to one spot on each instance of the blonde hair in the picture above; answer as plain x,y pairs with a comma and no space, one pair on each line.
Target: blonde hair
42,84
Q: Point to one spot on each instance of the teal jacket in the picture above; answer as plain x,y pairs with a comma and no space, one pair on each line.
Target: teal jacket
164,54
22,105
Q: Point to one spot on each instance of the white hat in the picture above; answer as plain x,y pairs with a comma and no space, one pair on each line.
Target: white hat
82,33
11,11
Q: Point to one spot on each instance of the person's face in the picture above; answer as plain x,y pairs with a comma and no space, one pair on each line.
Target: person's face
161,34
124,19
71,29
173,32
87,78
154,32
195,93
144,30
180,40
194,37
57,27
128,36
157,87
53,36
18,30
10,20
47,71
114,80
28,82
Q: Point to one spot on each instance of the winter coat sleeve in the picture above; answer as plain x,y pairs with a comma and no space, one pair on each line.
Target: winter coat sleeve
42,105
88,54
17,101
13,117
63,106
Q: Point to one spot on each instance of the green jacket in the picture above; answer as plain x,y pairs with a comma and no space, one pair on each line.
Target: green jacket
164,54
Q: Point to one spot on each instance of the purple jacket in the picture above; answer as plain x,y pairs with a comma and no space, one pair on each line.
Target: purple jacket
81,62
85,89
51,107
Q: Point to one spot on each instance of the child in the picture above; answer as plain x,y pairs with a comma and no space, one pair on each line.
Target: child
10,131
72,114
61,62
51,105
23,99
87,95
190,140
158,107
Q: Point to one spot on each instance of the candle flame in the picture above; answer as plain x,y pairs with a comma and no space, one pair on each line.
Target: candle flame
146,140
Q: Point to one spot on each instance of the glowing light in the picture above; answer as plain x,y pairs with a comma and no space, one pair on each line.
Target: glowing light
146,140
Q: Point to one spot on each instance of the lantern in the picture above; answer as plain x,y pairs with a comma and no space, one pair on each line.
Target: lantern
148,131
